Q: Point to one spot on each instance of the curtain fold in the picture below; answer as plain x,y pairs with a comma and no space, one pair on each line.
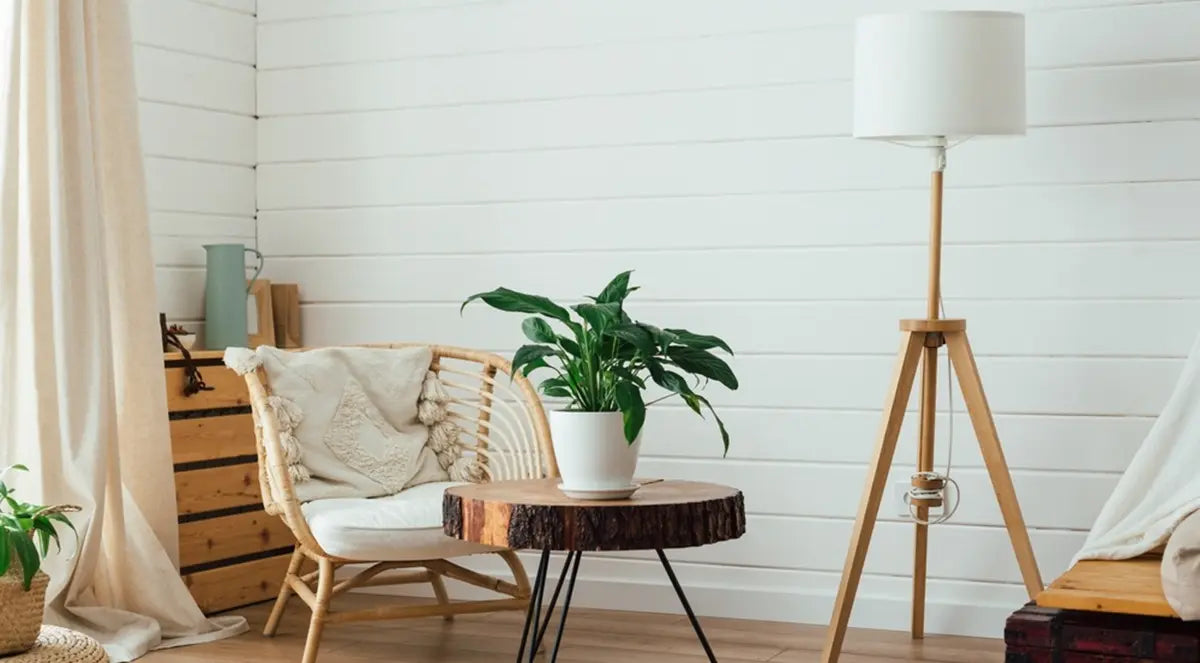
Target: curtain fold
1161,486
82,394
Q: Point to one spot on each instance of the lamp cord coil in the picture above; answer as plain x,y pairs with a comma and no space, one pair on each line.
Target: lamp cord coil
921,494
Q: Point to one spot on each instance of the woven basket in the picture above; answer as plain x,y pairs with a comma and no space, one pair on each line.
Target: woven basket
60,645
20,611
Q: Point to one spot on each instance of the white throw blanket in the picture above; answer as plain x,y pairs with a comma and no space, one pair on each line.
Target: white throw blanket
1161,487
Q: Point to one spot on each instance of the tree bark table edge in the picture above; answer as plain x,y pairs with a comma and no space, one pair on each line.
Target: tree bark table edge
534,515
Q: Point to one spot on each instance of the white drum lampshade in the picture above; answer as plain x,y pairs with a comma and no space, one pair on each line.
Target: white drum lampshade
939,74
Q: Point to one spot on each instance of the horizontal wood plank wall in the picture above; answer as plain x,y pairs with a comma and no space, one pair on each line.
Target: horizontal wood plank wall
412,153
231,552
194,68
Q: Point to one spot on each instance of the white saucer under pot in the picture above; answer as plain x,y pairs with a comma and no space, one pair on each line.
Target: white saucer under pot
601,494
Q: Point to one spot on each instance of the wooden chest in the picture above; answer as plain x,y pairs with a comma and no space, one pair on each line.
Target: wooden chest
231,552
1051,635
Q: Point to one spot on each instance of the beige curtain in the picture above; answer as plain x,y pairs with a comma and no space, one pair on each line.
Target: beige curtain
81,385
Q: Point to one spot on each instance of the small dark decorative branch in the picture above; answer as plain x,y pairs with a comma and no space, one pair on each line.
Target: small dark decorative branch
193,382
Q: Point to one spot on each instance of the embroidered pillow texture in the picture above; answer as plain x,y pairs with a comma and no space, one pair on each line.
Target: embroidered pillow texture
348,419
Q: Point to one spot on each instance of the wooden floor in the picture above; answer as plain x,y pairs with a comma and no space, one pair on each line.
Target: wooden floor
592,636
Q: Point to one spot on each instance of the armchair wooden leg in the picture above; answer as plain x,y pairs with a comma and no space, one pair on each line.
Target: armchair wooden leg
439,590
520,576
285,593
320,610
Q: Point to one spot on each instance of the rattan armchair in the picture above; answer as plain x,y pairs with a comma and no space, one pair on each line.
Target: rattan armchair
502,421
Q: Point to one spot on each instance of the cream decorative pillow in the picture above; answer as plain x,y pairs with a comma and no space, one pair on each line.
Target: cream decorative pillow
348,418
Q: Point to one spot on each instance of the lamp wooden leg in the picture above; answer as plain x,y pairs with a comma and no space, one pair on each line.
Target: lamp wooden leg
877,475
924,464
993,457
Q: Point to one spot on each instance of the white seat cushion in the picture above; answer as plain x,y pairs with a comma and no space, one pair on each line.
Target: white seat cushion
402,527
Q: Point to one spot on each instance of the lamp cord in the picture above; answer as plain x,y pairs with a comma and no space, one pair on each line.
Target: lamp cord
940,146
920,493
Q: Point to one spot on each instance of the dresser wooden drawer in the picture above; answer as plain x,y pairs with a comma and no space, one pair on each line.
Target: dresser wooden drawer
205,439
240,584
228,390
226,537
231,552
198,492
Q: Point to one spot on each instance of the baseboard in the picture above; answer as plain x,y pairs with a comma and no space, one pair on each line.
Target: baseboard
974,609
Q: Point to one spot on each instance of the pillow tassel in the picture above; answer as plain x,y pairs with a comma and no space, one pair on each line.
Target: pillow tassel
289,415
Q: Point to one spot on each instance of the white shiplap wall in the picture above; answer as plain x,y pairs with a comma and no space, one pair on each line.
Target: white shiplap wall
194,64
413,152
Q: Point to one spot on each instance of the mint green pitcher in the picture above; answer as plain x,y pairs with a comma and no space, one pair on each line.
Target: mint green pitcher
225,295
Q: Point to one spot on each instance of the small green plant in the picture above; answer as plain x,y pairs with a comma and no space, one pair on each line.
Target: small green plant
21,524
604,361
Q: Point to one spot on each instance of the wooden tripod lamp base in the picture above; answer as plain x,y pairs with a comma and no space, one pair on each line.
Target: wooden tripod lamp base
909,74
920,338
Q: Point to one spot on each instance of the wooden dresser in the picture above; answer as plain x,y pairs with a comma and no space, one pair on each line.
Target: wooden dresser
231,552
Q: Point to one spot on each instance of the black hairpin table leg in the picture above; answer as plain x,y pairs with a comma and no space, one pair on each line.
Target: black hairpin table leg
562,622
686,606
532,614
535,625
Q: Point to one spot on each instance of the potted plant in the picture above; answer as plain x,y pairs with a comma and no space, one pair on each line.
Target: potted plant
26,531
603,364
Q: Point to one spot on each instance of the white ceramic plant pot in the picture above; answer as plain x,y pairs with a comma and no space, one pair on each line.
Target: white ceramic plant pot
592,454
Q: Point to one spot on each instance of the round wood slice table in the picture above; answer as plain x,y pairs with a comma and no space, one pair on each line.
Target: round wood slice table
536,515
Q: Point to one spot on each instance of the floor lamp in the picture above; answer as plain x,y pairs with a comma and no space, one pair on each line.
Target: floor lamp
929,79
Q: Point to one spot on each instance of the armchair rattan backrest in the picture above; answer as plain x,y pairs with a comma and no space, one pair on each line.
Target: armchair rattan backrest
500,414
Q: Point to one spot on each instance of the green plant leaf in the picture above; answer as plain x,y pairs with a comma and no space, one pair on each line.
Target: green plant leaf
5,551
629,376
669,380
703,362
616,291
556,392
529,353
520,302
532,366
27,555
10,522
46,533
63,519
556,388
635,336
555,382
18,467
720,424
698,341
661,337
633,409
570,346
43,540
599,316
538,330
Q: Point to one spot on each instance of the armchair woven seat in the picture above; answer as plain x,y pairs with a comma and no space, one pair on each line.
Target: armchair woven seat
398,539
402,527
